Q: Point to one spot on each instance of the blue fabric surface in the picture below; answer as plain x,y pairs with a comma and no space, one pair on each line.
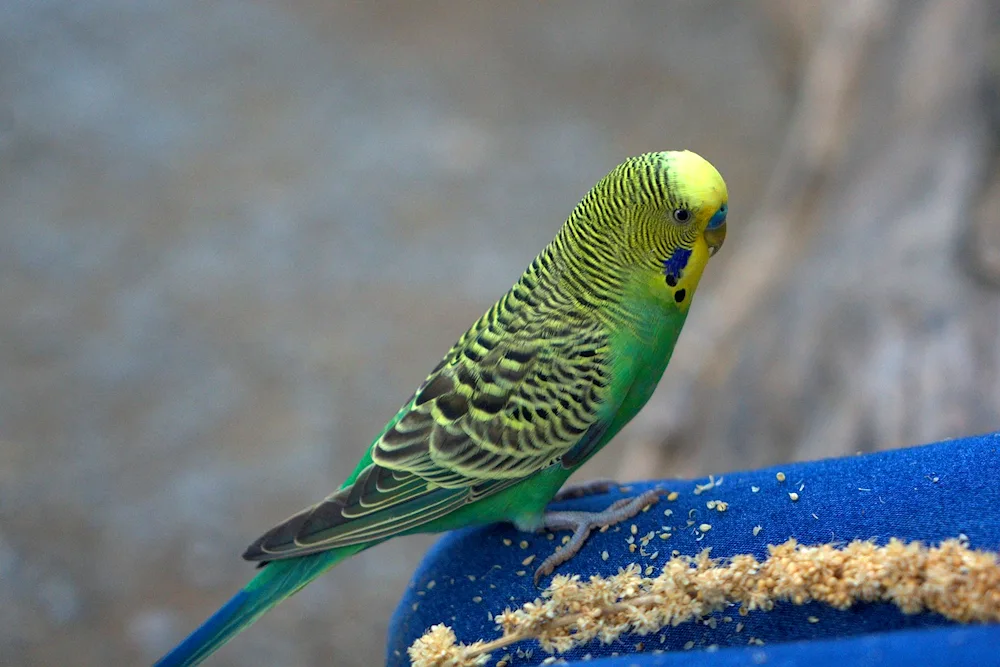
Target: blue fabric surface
928,493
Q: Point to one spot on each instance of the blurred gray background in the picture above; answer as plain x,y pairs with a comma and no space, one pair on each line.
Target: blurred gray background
234,236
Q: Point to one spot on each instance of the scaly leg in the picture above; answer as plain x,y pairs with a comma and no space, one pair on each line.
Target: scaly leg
581,523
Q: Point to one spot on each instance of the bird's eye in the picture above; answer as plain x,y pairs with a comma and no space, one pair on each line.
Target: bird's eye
682,215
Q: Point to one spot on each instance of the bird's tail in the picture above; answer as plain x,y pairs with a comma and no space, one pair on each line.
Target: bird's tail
276,581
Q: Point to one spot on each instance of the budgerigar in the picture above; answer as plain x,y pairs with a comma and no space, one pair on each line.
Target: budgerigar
537,386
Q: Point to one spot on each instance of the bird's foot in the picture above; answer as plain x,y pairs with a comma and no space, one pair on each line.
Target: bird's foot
588,488
581,523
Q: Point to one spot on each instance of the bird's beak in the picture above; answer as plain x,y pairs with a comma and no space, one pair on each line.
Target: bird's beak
714,238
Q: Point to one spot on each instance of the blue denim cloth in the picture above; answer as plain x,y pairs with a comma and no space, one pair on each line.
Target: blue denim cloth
927,493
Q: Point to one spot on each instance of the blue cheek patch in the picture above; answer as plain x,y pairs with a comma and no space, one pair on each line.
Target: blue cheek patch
719,218
674,265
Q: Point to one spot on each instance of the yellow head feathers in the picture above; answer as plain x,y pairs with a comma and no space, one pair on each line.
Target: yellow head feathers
694,179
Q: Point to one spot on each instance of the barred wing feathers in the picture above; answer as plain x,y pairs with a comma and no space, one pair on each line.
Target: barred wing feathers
512,397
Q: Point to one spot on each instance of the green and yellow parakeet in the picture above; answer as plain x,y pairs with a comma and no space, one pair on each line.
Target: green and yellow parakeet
537,386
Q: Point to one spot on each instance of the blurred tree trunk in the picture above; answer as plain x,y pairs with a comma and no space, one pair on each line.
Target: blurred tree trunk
860,302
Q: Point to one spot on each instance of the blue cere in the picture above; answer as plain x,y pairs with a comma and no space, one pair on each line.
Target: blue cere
719,218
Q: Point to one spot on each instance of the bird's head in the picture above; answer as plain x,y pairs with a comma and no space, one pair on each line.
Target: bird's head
654,221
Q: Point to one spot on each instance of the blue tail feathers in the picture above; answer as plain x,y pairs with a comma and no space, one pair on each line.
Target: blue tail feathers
275,582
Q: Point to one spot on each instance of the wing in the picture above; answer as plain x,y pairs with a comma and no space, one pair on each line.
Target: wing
514,396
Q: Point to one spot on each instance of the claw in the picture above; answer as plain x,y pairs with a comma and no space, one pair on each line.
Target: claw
581,523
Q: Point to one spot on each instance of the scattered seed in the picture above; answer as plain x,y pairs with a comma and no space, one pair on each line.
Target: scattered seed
604,555
739,626
634,529
565,539
527,561
688,645
710,484
705,527
520,573
794,496
780,477
813,619
477,598
631,548
431,584
672,496
524,544
755,489
506,542
756,530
